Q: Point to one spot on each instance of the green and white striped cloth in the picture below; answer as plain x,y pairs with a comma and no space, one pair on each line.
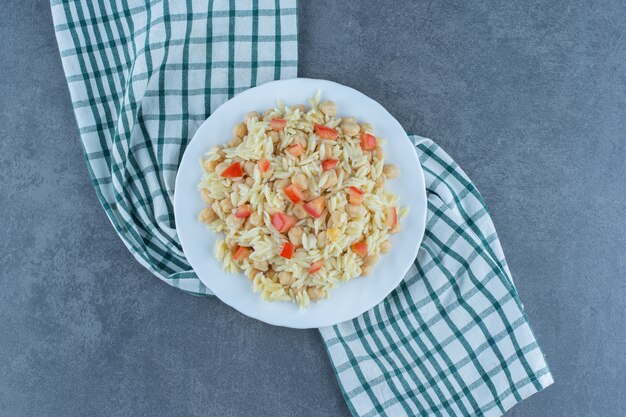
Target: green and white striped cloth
451,340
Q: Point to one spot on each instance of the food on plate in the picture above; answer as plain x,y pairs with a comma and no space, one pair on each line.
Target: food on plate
299,195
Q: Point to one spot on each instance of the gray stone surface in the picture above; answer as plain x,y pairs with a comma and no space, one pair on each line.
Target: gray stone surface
529,98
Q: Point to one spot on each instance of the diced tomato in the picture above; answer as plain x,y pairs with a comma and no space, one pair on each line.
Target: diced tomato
296,150
315,207
356,196
241,253
294,194
233,171
243,211
264,165
325,132
288,250
282,222
392,216
316,266
360,248
278,124
329,164
368,141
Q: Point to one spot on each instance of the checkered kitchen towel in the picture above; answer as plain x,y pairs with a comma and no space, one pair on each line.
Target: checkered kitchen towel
452,340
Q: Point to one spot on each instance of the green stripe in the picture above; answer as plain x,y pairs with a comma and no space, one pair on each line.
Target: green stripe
173,17
231,48
255,38
209,60
277,57
177,67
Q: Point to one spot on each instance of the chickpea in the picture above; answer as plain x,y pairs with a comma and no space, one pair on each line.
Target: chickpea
385,246
396,228
366,127
371,260
300,181
204,193
255,219
227,205
251,116
251,273
286,278
391,171
350,128
295,235
355,212
380,181
366,269
280,184
328,108
274,136
249,168
207,215
348,119
240,130
321,240
300,212
221,167
315,293
261,265
378,153
328,179
210,165
236,141
234,222
300,139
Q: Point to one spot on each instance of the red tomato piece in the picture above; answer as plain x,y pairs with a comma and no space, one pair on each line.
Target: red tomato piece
294,194
325,132
391,216
264,165
278,124
233,171
316,266
288,250
241,253
315,207
356,196
243,211
296,150
282,222
360,248
368,141
329,164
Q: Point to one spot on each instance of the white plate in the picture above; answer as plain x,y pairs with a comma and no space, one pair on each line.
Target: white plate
347,300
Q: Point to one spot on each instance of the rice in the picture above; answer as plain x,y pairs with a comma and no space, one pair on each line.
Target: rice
344,236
